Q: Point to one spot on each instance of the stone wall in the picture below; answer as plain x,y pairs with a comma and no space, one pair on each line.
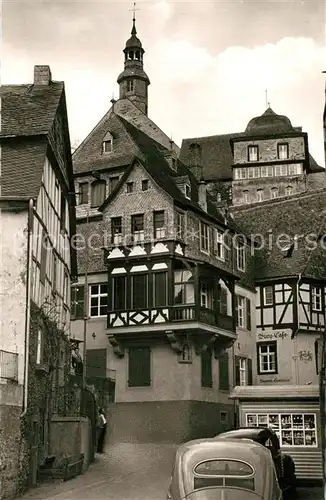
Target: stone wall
268,149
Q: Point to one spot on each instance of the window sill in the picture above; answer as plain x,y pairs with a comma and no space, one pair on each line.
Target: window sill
261,374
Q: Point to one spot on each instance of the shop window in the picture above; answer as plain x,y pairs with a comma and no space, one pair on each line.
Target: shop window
292,429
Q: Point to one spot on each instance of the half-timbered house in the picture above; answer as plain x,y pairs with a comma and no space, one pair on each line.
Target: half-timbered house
290,275
37,264
160,302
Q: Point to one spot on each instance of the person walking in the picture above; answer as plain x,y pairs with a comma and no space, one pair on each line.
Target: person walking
102,430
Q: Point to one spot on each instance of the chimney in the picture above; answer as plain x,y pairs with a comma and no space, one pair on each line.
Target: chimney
196,160
202,195
42,75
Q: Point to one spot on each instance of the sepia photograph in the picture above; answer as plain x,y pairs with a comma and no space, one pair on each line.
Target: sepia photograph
163,250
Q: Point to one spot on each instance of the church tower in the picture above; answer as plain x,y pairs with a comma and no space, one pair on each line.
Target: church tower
133,81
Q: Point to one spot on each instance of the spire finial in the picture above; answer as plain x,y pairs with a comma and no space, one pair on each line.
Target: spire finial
134,31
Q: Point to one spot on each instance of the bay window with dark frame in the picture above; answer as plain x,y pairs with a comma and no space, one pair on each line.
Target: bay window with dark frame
159,224
139,291
160,289
119,293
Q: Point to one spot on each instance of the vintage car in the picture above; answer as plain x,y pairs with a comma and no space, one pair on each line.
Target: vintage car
284,464
209,469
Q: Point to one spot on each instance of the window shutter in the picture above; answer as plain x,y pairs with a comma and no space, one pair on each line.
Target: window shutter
249,364
77,302
237,370
248,313
224,371
139,367
206,369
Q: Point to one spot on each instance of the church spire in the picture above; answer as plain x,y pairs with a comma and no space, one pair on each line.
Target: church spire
133,81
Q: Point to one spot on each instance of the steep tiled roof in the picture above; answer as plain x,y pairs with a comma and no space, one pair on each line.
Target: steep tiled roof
152,157
29,109
302,216
216,155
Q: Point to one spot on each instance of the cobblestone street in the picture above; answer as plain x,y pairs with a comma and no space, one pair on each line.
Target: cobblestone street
127,472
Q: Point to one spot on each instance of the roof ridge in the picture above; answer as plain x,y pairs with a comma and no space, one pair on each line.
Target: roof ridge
212,136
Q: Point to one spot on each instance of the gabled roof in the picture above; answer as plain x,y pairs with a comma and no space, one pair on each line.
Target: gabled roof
29,109
151,156
303,219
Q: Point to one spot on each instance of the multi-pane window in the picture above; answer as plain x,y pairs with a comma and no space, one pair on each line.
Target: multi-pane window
253,153
240,311
144,185
139,366
316,298
292,429
139,291
220,247
116,230
246,197
204,237
206,296
98,193
184,292
241,255
137,227
260,195
130,187
180,225
159,224
283,151
107,146
113,182
268,295
160,289
98,300
119,297
243,371
77,301
278,170
267,357
83,192
292,169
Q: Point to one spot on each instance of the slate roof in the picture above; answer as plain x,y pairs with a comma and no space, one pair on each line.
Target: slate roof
303,215
151,155
216,156
269,123
29,109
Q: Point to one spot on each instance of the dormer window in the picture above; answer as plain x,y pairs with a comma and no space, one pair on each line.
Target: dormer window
252,153
130,85
107,143
187,191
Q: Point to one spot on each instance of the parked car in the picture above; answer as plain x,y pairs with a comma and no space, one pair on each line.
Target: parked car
284,463
228,469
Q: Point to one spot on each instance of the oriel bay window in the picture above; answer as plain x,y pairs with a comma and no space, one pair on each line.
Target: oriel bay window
139,291
119,291
160,289
159,224
116,230
137,227
184,290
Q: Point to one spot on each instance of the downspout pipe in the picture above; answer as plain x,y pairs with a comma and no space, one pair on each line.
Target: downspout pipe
28,304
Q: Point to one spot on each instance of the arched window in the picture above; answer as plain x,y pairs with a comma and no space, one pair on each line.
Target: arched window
137,56
260,195
274,192
288,191
246,196
98,193
131,55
